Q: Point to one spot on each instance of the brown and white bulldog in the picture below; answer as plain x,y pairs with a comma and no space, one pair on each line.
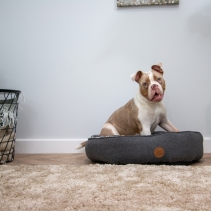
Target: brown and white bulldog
144,112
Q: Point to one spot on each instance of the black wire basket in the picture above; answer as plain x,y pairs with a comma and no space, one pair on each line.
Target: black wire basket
8,122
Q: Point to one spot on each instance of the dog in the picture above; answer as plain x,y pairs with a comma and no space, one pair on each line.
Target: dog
143,113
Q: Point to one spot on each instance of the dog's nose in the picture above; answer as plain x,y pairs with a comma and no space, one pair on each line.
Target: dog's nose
154,86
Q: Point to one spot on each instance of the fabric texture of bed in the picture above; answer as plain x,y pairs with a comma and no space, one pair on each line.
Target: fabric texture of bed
160,147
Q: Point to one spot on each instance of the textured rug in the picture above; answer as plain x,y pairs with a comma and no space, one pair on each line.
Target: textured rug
105,187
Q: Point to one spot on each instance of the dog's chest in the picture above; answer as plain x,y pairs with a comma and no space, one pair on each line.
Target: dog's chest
151,115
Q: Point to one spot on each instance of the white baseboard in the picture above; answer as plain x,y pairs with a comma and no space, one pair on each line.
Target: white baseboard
46,146
207,145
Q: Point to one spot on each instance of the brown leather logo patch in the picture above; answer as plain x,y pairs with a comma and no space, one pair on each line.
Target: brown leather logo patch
159,152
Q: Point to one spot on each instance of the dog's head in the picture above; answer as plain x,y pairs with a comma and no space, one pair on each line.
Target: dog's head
152,85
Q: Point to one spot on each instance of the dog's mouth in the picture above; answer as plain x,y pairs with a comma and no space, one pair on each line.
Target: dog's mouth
157,97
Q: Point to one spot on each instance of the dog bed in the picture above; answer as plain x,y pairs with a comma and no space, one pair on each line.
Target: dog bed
160,147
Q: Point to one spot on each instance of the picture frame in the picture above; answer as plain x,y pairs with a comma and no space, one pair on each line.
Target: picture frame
128,3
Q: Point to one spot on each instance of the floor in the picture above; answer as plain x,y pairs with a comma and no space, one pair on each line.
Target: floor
75,159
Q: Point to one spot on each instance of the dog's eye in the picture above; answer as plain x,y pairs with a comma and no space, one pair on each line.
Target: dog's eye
159,79
145,84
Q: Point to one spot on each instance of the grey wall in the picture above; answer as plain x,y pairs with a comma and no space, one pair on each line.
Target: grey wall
73,60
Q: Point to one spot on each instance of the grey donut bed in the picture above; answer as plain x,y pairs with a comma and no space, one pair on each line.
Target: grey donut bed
160,147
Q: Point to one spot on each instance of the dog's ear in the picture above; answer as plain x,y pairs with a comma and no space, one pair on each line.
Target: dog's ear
136,76
158,68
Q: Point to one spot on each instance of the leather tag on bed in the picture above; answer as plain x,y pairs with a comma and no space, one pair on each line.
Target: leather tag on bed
159,152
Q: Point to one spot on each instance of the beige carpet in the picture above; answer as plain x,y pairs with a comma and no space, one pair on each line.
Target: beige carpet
105,187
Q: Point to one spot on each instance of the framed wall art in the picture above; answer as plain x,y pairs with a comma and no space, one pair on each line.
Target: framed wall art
128,3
